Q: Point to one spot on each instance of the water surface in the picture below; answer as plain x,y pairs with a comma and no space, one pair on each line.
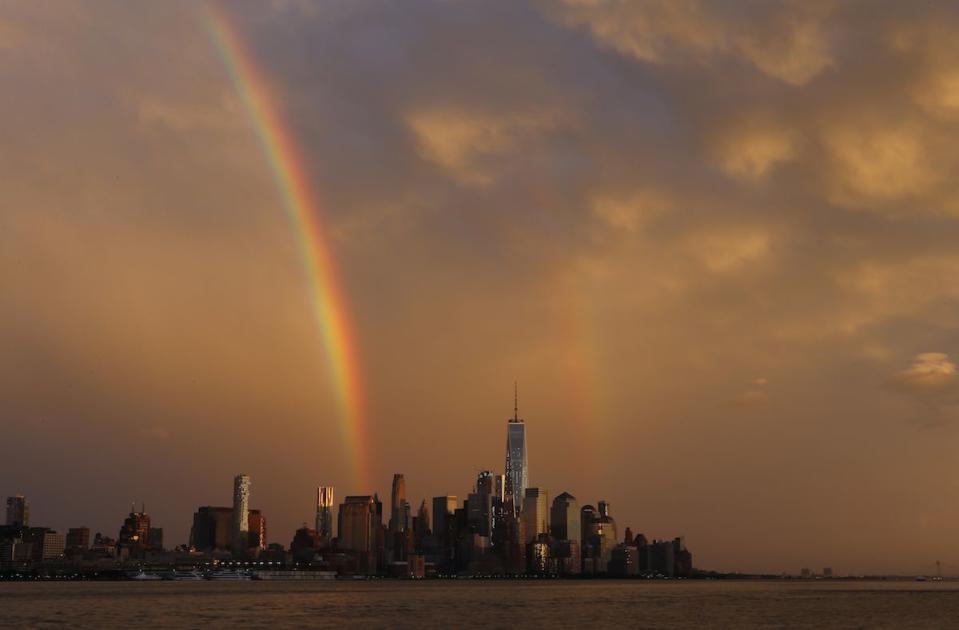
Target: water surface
488,604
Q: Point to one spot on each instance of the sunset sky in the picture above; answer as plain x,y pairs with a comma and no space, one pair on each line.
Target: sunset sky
715,243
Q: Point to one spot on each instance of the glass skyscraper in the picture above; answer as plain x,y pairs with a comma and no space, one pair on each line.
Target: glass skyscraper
517,466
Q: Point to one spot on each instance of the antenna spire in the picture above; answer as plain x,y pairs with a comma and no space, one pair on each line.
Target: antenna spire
515,402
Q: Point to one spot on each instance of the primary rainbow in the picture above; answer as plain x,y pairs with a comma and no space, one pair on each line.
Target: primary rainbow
301,207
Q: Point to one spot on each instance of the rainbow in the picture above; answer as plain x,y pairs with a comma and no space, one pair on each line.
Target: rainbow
301,207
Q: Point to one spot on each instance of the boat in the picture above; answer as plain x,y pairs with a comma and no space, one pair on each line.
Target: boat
143,575
230,575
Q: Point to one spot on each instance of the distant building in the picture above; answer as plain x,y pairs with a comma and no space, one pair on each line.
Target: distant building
399,508
239,541
52,546
213,529
827,572
566,529
324,511
443,509
517,464
357,527
78,538
535,514
155,539
18,511
564,518
134,537
306,543
624,561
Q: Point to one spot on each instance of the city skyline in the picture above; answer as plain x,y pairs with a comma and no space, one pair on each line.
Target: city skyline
316,244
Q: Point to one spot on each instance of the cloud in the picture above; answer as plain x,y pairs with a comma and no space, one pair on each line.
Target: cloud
931,377
789,44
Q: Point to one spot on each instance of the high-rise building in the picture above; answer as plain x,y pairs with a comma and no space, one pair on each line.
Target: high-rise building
240,540
535,514
18,511
443,509
479,513
499,487
564,518
422,529
517,466
399,508
324,511
357,529
484,482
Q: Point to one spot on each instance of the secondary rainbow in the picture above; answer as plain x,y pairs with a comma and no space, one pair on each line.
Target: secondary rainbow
300,204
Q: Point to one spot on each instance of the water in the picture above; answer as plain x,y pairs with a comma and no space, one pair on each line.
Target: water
496,604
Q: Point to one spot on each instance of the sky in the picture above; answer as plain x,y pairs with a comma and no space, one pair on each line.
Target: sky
714,243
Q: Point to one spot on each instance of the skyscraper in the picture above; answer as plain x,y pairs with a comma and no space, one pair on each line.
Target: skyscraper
517,466
357,528
18,511
535,514
240,540
443,509
324,511
564,521
399,508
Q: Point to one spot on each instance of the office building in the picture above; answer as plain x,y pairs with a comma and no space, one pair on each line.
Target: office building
535,514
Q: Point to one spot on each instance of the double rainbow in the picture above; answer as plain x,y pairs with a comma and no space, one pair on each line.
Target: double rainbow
301,207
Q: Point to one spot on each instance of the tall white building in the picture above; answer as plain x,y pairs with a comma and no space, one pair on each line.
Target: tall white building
240,541
324,511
